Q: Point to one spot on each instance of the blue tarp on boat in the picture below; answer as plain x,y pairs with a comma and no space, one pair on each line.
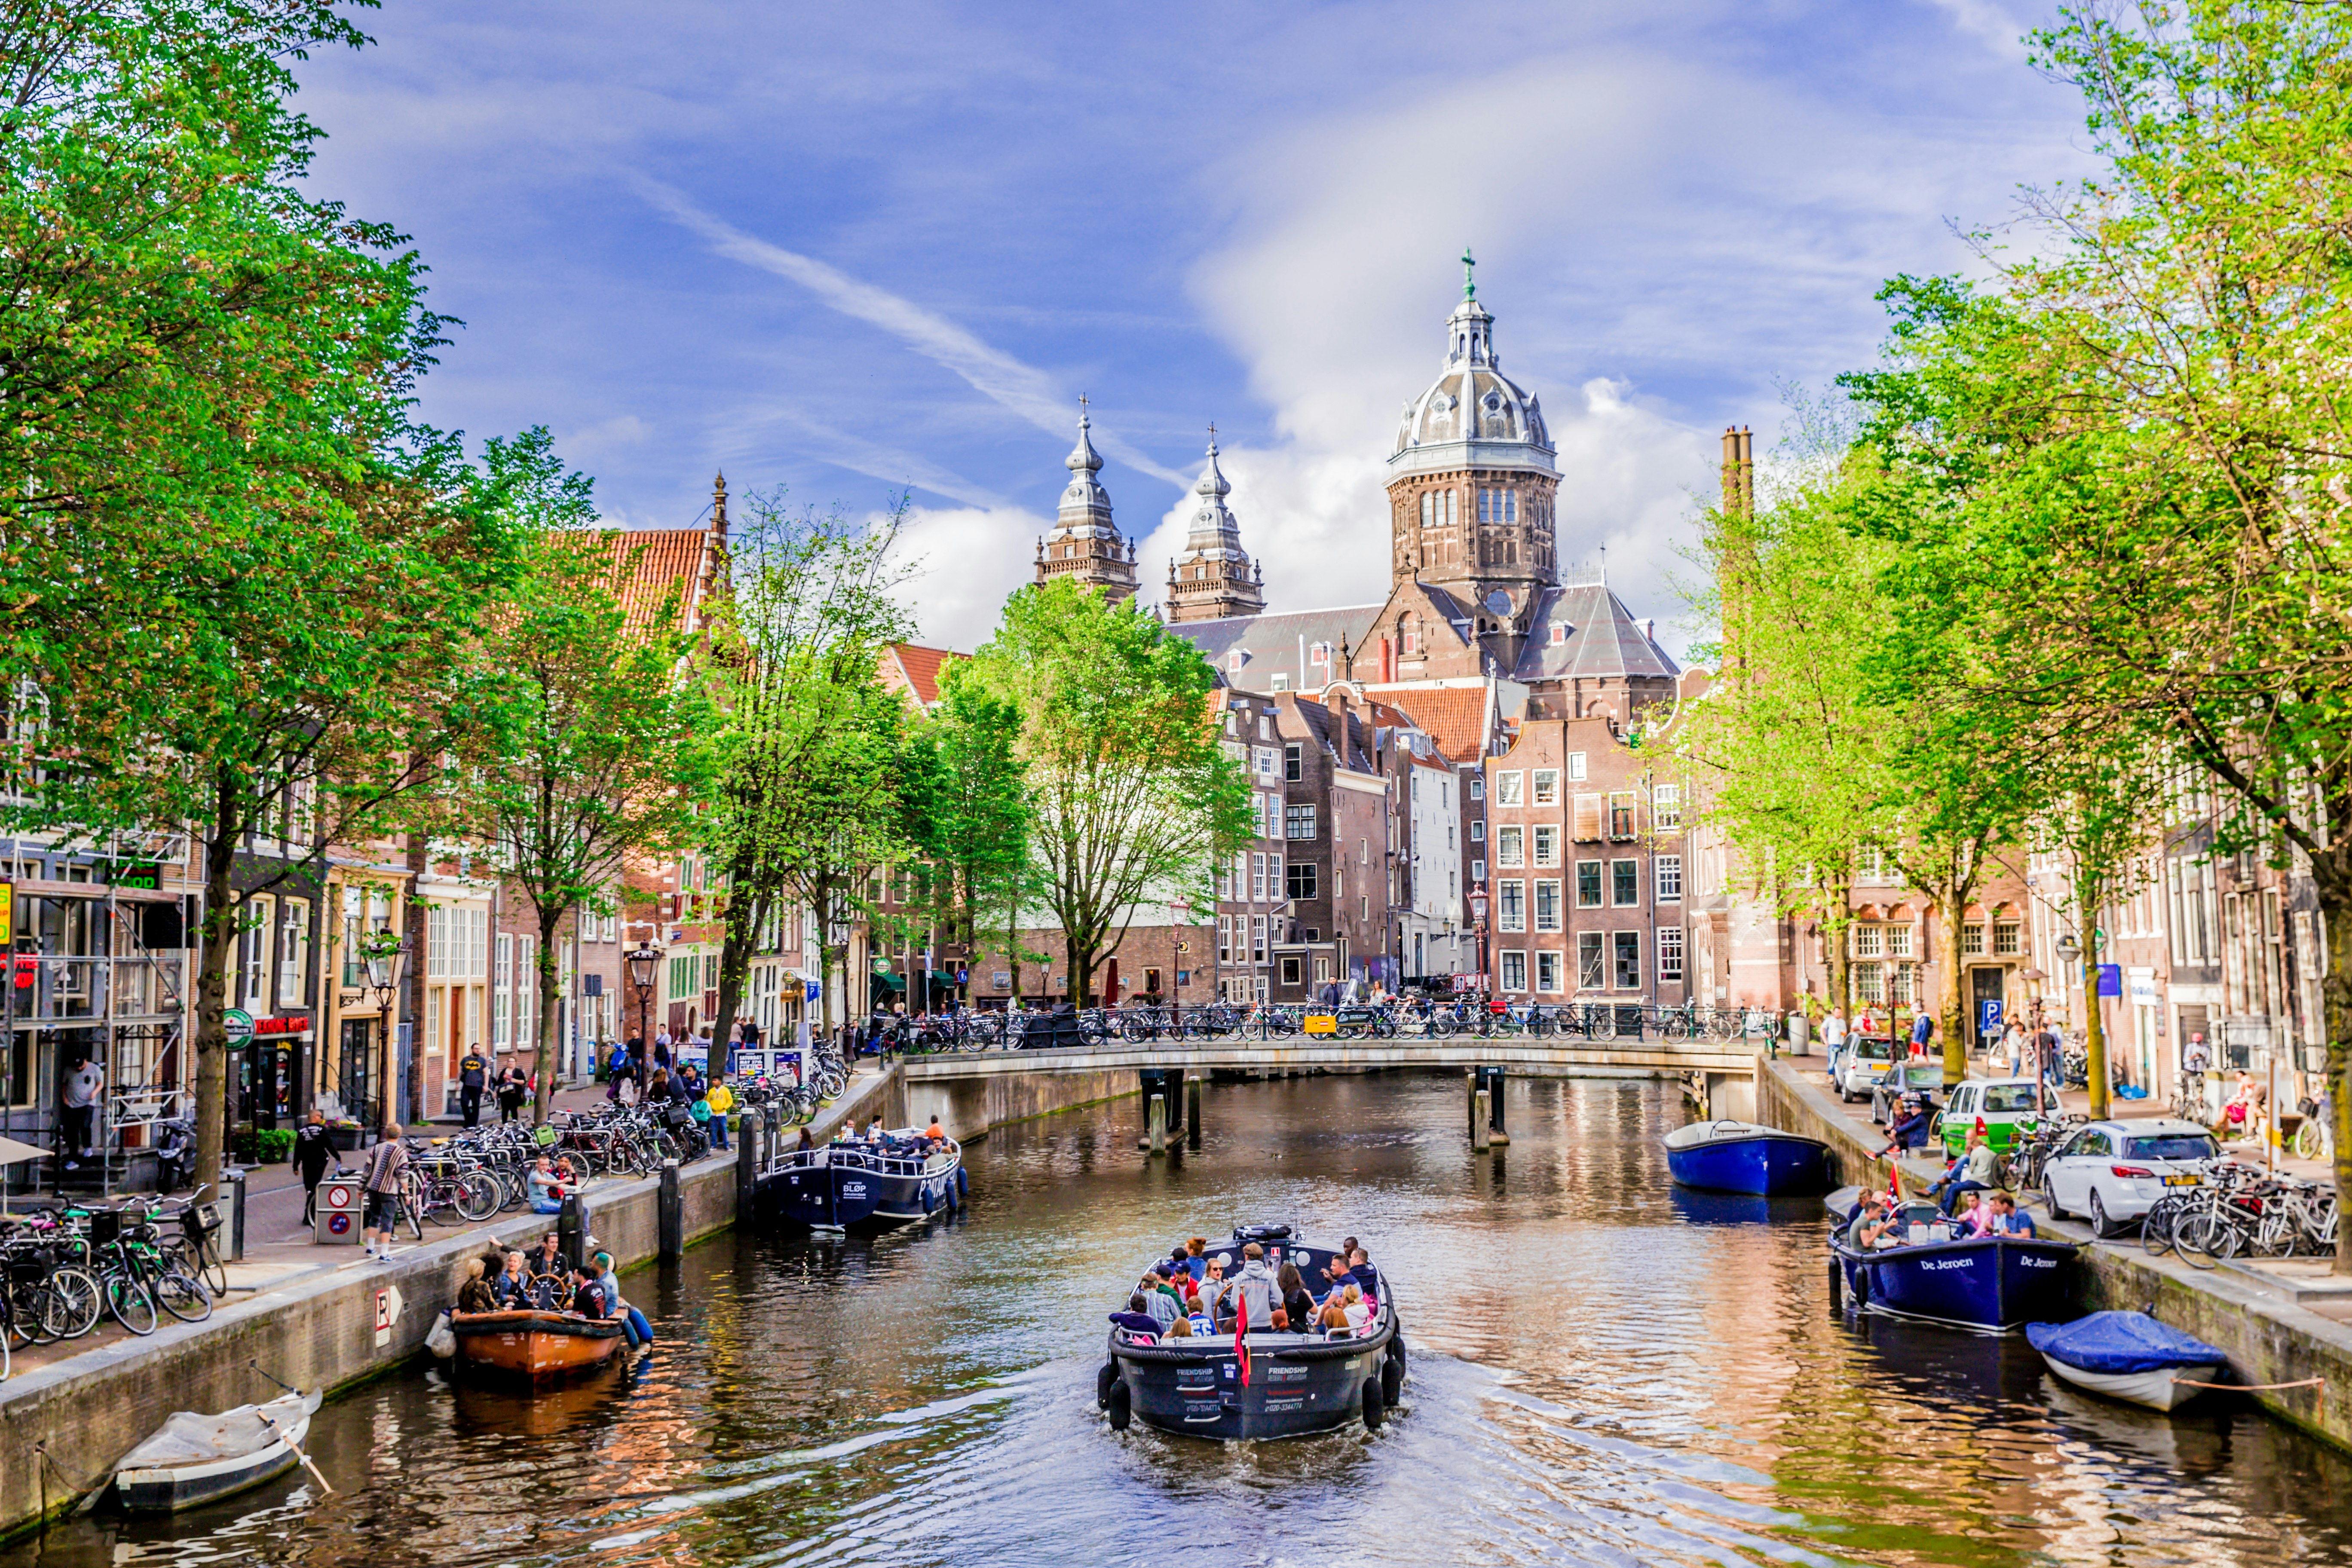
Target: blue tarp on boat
2120,1342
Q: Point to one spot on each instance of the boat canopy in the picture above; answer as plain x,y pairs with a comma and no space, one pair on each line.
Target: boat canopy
2121,1342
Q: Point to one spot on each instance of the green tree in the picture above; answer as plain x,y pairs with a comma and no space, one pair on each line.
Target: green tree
1131,796
968,813
590,746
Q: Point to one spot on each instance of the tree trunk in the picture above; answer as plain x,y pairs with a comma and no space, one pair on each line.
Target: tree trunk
550,1014
1837,921
2094,1034
2335,998
212,996
418,968
1953,1005
746,913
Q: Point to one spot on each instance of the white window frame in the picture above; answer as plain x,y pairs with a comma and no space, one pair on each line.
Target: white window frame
1509,788
1576,767
1547,968
1547,787
1666,809
1510,905
1514,970
1666,878
1510,846
1669,940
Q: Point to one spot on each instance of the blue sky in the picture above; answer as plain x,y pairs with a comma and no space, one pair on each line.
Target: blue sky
842,250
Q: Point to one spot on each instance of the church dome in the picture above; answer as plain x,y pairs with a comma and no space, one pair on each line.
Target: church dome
1473,403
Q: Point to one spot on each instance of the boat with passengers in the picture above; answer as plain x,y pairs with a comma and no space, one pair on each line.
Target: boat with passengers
1238,1380
1930,1269
874,1181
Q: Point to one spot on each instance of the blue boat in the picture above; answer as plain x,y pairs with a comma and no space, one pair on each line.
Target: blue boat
1741,1157
862,1183
1987,1284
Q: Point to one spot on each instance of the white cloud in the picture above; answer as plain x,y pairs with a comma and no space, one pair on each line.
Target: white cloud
1987,22
968,561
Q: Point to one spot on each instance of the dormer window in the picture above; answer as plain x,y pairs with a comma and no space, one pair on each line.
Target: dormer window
1558,635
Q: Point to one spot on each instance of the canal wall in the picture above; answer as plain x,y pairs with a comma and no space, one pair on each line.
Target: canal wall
2270,1337
972,1108
65,1425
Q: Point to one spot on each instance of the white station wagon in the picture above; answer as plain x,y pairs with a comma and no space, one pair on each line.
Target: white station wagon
2114,1171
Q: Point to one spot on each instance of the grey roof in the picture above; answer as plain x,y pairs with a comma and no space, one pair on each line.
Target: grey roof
1602,639
1272,644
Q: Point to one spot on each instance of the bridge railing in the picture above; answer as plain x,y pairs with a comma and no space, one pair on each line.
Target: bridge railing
1224,1022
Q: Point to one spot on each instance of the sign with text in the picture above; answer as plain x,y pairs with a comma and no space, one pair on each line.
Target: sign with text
1321,1023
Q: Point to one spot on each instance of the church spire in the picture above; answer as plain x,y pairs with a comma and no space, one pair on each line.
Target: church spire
1086,542
1212,580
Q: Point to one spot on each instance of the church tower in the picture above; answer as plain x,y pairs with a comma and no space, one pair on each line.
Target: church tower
1471,488
1086,543
1214,579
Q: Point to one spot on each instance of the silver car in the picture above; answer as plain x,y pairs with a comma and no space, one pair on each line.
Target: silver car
1865,1061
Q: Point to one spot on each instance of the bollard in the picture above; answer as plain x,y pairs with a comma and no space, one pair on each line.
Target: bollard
1191,1113
747,1166
571,1231
1477,1077
1495,1106
672,1210
1157,1120
1481,1135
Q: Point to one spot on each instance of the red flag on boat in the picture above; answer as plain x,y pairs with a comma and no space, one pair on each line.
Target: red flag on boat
1241,1327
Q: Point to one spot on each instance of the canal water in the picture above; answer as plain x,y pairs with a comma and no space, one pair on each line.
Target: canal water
1605,1371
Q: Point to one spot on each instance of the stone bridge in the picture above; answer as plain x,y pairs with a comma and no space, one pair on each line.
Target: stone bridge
972,1092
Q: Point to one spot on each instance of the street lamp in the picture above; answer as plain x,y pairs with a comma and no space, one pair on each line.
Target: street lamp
384,954
644,963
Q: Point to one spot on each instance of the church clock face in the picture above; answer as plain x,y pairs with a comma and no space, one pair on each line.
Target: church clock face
1498,603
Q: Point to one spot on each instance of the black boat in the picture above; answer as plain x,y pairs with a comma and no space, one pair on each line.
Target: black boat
1273,1384
861,1184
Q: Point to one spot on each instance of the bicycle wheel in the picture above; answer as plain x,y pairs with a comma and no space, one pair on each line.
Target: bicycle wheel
26,1307
73,1305
477,1197
128,1302
184,1298
2155,1230
2203,1238
2310,1141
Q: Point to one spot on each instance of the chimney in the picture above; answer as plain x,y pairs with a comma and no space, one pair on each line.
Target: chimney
1335,698
1738,471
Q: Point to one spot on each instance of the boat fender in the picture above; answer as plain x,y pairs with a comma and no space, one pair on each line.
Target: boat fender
1837,1284
1118,1406
963,1184
1861,1287
1376,1407
1103,1380
1392,1372
440,1339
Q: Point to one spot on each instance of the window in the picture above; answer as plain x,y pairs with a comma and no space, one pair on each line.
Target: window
1225,939
1667,871
293,952
1293,766
1477,787
1667,807
1265,726
1224,880
1625,883
1869,984
1898,983
1269,813
1507,790
1264,761
1547,906
1322,970
1257,939
1510,846
1302,879
1281,681
1547,845
1298,821
502,994
1629,960
1547,972
1274,876
1576,767
1290,971
2005,934
1510,905
1558,635
260,942
1515,971
1151,981
1621,815
1670,952
1592,964
1587,827
1898,941
1477,870
1588,884
1499,506
1547,787
1409,637
1478,830
1972,940
1258,879
354,903
1869,941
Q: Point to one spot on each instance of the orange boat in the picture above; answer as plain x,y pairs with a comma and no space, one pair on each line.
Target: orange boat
536,1345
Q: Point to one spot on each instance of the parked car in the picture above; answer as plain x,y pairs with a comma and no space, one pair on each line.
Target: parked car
2114,1171
2007,1107
1923,1079
1866,1057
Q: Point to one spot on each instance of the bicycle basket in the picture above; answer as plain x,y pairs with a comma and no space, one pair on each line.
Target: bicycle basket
105,1227
31,1263
545,1137
198,1220
677,1115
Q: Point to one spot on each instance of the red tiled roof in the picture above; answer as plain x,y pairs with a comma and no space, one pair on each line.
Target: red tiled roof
652,564
1453,716
919,668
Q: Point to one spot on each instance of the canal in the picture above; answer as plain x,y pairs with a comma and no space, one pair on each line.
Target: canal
1605,1371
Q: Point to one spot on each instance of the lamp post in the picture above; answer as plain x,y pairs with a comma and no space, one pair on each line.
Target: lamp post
644,963
384,954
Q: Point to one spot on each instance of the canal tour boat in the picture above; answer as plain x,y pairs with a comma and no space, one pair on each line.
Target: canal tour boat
1741,1157
1264,1384
195,1459
2129,1356
535,1346
1986,1284
861,1184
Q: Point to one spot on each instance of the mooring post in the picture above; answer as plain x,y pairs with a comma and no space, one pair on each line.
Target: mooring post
1477,1078
1191,1113
672,1213
748,1149
1481,1135
1495,1106
1156,1117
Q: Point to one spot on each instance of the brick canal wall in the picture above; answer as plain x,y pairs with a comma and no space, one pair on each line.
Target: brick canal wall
2269,1338
65,1425
970,1107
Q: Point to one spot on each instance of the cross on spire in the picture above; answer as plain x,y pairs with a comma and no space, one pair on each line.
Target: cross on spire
1469,278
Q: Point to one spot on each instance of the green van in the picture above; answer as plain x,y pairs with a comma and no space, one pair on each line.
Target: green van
2005,1105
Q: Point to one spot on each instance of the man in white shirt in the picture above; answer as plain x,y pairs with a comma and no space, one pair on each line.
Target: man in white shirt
80,1100
1834,1040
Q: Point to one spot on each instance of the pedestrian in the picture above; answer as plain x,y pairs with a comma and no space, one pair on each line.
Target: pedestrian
1834,1040
660,1057
473,1077
2012,1044
721,1099
314,1150
513,1085
1923,1030
81,1103
387,1164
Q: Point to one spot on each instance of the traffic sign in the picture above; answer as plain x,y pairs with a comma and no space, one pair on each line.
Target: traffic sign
387,1312
238,1025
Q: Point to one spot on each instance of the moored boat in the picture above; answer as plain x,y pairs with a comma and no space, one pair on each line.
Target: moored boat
1987,1284
1741,1157
534,1344
195,1459
840,1187
2129,1356
1264,1383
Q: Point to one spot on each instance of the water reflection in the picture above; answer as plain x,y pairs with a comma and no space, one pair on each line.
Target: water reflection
1606,1370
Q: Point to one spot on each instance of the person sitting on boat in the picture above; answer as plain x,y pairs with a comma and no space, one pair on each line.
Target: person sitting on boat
1353,1309
1137,1318
1971,1218
1159,1301
641,1331
1884,1226
1297,1306
873,1129
546,1259
1332,1317
1182,1329
2004,1218
1252,1289
935,1132
1978,1171
475,1295
512,1287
